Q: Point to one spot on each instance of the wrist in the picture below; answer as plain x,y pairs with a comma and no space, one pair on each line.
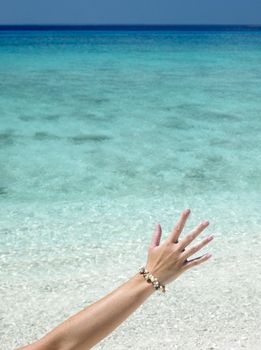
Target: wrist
143,285
150,278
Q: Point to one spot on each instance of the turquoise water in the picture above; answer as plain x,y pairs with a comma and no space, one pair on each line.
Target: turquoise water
93,115
124,122
114,119
103,134
127,126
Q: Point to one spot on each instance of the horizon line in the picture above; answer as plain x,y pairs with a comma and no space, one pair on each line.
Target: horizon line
128,24
93,26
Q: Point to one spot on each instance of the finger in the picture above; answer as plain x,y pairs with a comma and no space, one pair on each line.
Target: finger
190,251
155,241
196,261
193,234
174,235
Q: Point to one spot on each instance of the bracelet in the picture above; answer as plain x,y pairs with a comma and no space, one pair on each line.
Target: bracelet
152,279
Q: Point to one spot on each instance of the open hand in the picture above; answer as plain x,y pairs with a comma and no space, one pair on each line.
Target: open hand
168,260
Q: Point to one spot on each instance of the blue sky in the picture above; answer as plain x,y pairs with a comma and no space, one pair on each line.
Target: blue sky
130,11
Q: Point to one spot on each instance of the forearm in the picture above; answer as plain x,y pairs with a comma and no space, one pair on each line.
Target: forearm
85,329
167,260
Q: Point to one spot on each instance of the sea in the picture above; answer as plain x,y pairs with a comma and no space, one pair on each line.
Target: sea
105,132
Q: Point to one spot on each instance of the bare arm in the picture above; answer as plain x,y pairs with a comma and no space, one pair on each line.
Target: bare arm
165,261
89,326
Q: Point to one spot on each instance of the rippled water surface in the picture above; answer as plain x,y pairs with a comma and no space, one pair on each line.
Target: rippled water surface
102,134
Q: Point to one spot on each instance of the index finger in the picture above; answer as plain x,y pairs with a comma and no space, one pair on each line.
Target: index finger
174,235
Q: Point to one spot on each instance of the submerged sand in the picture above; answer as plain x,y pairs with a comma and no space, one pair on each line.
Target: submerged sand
214,306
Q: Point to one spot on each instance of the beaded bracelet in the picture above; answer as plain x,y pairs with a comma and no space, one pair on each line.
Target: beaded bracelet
151,279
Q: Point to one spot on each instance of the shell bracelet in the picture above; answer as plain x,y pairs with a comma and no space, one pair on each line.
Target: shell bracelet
152,279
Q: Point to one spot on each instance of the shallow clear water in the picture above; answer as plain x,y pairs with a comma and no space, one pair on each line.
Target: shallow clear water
102,134
125,116
98,115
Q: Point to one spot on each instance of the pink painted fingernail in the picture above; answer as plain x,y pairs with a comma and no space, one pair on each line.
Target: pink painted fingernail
205,222
208,255
187,211
210,237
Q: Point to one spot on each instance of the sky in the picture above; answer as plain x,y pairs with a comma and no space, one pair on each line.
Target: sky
130,11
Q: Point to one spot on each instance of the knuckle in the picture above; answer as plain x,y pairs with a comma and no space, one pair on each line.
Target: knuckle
174,250
203,243
168,243
194,249
177,227
168,247
178,247
190,236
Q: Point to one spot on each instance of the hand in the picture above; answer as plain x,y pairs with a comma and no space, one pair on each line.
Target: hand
168,260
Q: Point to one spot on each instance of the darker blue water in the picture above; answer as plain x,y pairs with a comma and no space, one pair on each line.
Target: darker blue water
157,28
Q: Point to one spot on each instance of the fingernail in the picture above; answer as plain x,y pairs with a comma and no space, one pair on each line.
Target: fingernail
205,223
210,237
208,255
187,211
